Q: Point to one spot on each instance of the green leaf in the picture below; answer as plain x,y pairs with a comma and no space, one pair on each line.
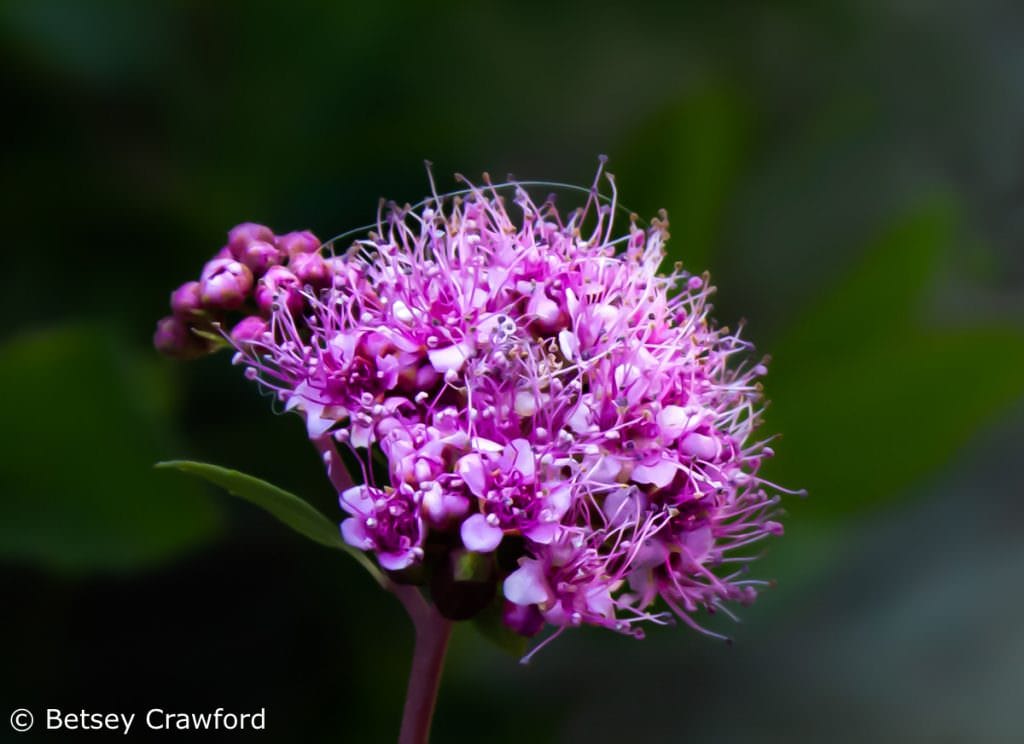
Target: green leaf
286,507
868,396
688,159
880,296
867,428
490,625
84,418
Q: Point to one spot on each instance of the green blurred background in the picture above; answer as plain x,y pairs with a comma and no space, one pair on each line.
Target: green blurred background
851,173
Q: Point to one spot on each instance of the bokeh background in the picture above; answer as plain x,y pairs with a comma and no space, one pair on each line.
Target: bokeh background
852,173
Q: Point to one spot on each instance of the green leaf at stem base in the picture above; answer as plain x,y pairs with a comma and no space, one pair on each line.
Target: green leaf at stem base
286,507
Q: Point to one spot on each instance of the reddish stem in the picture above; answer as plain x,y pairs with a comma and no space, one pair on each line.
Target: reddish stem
432,630
432,634
336,470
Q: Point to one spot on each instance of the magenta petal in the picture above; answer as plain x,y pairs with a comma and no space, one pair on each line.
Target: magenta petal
360,436
450,357
395,561
698,543
580,418
455,505
560,499
672,421
356,500
569,344
599,601
659,473
527,584
471,469
478,535
542,533
518,456
698,445
354,533
604,470
543,308
344,346
316,423
622,505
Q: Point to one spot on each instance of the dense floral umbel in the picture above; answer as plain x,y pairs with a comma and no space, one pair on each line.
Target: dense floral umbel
522,387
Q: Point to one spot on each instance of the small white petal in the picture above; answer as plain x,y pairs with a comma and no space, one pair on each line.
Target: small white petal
698,445
401,311
672,420
450,357
569,344
480,536
526,403
471,469
659,473
527,584
485,445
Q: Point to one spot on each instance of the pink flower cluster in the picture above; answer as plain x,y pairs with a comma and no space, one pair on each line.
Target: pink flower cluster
525,395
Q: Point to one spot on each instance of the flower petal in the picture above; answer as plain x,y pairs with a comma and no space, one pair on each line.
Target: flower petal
354,533
698,542
699,445
471,469
450,357
569,344
356,500
480,536
527,584
396,561
672,421
518,457
659,473
542,533
559,500
485,445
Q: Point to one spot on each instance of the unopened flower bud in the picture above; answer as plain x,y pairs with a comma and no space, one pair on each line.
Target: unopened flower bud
311,269
174,338
241,235
186,300
296,243
260,255
525,620
225,284
279,285
248,329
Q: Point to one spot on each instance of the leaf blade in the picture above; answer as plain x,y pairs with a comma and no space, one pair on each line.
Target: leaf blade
283,505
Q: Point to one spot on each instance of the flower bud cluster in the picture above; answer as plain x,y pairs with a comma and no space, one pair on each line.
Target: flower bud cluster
238,289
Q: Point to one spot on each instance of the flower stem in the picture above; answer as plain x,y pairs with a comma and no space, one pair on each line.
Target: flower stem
336,470
432,630
432,634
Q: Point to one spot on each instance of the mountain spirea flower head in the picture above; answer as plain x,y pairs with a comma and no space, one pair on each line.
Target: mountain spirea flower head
537,413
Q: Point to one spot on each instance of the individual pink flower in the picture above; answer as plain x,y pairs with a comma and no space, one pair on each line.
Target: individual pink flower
387,523
511,497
